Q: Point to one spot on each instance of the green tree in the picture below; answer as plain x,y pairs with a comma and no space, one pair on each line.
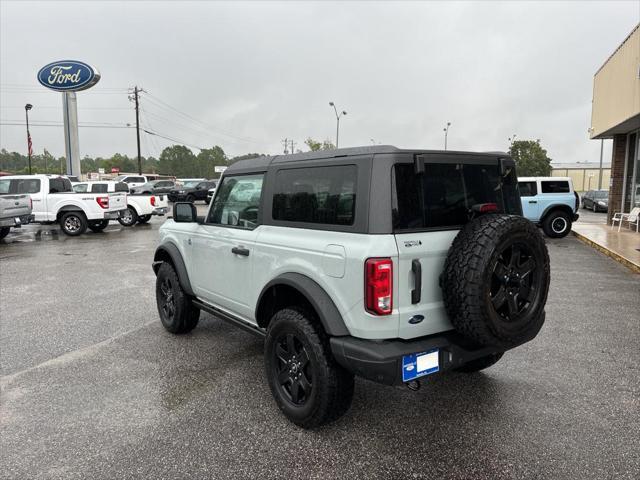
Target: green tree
531,159
246,156
315,145
178,160
208,159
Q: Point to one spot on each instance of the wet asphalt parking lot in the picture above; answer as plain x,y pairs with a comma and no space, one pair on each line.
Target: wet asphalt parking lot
93,387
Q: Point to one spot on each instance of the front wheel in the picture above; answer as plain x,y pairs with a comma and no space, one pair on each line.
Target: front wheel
190,198
73,223
129,217
557,224
144,218
177,313
310,388
99,226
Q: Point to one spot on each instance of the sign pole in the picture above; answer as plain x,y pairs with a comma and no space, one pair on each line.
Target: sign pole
71,137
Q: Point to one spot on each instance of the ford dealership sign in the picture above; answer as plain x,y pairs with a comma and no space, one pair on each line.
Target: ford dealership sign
68,76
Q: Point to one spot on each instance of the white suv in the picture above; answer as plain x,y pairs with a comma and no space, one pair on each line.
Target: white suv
379,262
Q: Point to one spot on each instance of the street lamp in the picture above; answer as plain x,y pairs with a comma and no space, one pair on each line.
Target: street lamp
338,115
446,133
28,107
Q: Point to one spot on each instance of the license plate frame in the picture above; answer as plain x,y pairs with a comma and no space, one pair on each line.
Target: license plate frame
416,365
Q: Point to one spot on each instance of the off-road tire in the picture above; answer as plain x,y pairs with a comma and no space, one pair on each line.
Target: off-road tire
73,223
551,221
98,226
480,363
331,385
131,219
4,231
478,274
144,218
183,316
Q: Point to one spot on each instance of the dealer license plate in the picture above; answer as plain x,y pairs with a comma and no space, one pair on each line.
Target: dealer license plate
420,364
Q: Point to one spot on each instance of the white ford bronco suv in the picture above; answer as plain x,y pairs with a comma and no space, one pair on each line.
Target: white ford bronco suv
379,262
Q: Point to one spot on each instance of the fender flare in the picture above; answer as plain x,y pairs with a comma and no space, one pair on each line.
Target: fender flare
70,207
558,206
170,250
135,208
327,312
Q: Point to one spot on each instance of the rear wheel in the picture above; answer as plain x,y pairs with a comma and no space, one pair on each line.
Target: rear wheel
310,388
190,198
144,218
557,224
480,363
4,231
129,217
177,313
99,226
595,209
73,223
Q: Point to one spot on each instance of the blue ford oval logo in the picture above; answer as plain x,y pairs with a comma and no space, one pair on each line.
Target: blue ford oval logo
68,76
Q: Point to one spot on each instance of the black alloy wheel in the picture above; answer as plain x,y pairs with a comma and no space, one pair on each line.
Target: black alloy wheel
292,369
513,284
166,300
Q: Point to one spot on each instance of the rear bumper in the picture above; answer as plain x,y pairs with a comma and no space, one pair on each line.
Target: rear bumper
160,211
381,360
113,215
17,221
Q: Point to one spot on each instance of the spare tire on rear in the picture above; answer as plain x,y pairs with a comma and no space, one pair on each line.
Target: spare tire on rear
496,279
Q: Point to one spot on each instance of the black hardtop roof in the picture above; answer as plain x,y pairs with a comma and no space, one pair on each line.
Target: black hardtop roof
260,163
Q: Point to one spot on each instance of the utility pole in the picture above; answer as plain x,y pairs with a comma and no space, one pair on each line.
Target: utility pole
293,145
28,107
135,95
285,142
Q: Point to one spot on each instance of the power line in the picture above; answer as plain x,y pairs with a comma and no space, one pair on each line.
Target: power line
59,124
166,137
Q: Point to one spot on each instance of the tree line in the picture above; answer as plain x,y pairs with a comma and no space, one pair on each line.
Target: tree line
180,161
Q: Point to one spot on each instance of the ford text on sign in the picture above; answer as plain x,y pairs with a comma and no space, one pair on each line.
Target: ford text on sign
68,76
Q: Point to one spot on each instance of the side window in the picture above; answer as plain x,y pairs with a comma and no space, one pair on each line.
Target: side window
31,185
325,195
238,202
99,188
555,186
80,188
4,186
528,189
58,185
121,187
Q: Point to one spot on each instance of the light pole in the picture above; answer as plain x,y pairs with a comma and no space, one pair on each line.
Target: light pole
338,115
600,172
28,107
446,134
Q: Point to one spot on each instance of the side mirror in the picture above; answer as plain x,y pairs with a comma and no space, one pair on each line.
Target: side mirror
184,212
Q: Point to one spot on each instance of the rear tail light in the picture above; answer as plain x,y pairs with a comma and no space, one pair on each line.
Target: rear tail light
103,201
378,277
153,201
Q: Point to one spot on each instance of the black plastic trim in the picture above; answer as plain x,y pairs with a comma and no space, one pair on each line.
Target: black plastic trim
327,312
178,263
227,317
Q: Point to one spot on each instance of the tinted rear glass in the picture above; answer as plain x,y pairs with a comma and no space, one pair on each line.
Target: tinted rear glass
444,195
99,188
325,195
602,195
58,185
528,189
555,186
122,187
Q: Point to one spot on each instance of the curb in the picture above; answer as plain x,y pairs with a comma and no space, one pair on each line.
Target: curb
609,253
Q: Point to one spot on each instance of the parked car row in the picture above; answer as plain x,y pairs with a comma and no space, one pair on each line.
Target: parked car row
192,191
596,200
48,199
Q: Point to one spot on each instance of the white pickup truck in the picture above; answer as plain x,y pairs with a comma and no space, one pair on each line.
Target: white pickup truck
54,201
15,206
139,209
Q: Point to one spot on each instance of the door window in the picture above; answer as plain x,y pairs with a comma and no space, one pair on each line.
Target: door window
555,186
80,188
238,202
4,186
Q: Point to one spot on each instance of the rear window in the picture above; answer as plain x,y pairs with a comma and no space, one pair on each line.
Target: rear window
324,195
603,194
555,186
31,185
444,195
528,189
99,188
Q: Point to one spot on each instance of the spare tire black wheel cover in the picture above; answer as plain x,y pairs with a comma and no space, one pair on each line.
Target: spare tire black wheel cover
496,279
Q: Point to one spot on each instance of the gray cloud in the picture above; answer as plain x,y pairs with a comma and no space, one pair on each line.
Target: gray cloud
256,72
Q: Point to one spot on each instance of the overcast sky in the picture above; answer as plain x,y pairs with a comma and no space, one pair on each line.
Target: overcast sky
253,73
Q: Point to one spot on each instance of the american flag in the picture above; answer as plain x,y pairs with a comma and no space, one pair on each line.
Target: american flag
29,143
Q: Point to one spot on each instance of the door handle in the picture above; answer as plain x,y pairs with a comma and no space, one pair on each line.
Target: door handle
533,201
240,251
416,268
